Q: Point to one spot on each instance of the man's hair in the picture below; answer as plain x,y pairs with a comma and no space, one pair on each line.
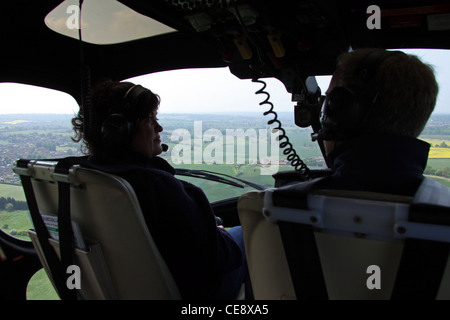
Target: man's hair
406,92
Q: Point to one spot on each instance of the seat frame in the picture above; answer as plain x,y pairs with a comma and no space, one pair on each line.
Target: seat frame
114,249
350,231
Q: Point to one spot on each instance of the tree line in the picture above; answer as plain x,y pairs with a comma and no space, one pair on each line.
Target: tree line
445,172
11,204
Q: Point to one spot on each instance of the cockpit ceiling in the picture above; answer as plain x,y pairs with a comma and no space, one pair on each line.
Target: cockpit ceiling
254,38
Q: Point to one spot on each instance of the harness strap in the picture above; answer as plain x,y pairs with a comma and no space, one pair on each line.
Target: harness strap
423,262
300,246
304,262
56,268
421,266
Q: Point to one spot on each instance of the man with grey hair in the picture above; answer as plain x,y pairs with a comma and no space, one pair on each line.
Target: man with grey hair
377,104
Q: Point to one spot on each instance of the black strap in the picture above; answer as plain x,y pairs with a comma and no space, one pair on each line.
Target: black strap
66,247
56,268
304,262
423,262
299,244
422,266
66,237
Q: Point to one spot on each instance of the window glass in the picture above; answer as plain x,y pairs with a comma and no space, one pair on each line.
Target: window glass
437,130
199,107
212,121
215,121
34,123
103,22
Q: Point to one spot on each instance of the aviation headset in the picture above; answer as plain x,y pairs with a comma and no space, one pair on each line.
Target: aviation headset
346,109
120,126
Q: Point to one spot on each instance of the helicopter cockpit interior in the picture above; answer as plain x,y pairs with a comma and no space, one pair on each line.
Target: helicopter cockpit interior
70,45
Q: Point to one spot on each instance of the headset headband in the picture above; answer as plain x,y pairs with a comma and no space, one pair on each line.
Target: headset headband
120,126
133,95
366,71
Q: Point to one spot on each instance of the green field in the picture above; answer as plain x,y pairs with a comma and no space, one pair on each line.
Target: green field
40,287
16,223
438,164
12,191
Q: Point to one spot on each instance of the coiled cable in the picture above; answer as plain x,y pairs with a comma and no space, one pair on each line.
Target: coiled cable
289,151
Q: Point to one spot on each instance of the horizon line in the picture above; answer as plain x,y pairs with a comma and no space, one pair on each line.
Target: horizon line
184,113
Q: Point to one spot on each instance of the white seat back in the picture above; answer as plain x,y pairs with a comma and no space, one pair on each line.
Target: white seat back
352,235
120,259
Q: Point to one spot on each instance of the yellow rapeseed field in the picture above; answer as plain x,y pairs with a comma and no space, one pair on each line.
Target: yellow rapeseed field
438,153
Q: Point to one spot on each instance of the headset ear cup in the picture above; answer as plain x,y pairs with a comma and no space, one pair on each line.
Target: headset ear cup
340,114
117,131
120,127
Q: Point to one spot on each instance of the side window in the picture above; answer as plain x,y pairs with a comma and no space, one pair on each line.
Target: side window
437,130
34,123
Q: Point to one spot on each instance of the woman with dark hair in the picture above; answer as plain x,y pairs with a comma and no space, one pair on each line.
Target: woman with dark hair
206,261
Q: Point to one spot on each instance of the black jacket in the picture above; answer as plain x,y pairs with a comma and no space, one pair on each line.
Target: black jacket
182,224
386,164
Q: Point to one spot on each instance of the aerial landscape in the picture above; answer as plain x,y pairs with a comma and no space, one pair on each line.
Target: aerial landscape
240,145
197,141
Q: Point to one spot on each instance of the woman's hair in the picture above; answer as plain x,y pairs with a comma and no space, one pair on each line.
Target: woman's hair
406,87
107,97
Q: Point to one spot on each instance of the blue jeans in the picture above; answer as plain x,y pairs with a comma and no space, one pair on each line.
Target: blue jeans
232,282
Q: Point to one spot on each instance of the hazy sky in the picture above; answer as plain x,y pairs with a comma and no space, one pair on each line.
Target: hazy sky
201,90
